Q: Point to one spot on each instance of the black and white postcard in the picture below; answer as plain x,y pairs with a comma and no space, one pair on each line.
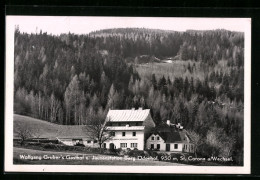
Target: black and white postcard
128,94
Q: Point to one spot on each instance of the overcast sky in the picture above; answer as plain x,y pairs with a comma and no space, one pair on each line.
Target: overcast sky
86,24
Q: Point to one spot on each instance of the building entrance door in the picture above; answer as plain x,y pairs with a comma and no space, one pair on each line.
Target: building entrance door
111,146
167,147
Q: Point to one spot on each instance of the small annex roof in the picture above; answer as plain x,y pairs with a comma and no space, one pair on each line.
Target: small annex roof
171,135
125,128
127,115
74,131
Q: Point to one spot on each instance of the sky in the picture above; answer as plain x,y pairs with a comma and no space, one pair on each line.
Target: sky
85,24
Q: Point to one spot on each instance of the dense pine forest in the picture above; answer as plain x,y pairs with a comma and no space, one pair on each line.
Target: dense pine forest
69,79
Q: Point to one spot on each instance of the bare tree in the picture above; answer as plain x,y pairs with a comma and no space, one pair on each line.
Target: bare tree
196,139
99,127
24,133
54,107
36,133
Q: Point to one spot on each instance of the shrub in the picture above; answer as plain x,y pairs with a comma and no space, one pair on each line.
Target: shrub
152,153
206,150
54,141
136,153
112,151
49,146
82,145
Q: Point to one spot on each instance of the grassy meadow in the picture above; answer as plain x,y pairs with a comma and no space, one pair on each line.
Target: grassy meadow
179,68
44,129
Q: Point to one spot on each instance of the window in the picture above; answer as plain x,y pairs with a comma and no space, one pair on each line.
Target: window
158,138
152,138
88,142
123,133
133,145
138,123
123,145
175,146
158,146
104,146
152,146
134,133
112,133
95,141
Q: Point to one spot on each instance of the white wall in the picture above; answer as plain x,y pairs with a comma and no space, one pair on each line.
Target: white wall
155,142
190,147
69,142
128,138
180,146
91,144
162,144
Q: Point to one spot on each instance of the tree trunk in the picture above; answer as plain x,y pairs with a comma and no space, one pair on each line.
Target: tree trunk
100,149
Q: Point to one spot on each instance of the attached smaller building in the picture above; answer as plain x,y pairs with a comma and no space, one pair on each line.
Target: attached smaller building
73,135
170,138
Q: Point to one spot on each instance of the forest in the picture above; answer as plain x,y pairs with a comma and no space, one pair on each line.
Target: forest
69,78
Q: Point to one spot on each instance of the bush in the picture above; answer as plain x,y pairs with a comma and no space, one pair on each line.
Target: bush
82,145
54,141
136,153
49,146
58,147
152,153
112,151
206,150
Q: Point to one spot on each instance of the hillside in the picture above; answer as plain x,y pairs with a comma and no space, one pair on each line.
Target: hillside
122,31
72,79
44,128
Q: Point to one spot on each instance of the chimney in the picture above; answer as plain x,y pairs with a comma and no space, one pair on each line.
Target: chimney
133,108
168,122
140,108
178,125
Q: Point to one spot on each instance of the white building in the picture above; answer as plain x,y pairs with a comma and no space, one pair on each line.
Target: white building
170,138
72,135
128,128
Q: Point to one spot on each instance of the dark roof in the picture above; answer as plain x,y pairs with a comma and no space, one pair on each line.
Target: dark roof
171,137
74,131
171,134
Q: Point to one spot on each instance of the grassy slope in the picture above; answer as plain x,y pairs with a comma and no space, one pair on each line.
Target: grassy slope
175,69
179,69
43,128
